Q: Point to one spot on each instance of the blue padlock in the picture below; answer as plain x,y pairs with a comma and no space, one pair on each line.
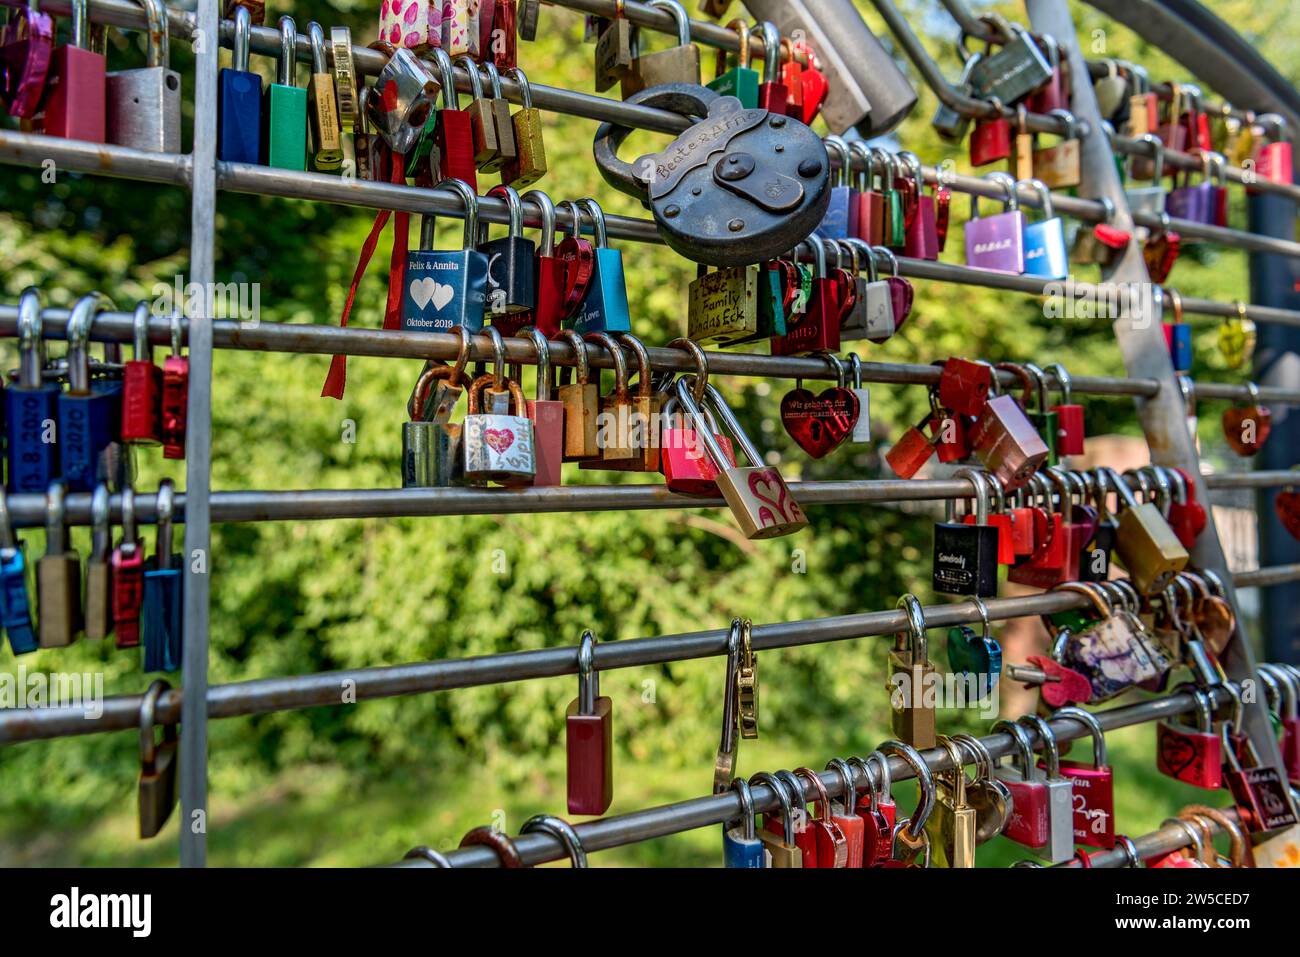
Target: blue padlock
740,844
32,407
604,307
840,221
90,414
15,606
1178,334
445,288
1045,254
239,101
161,615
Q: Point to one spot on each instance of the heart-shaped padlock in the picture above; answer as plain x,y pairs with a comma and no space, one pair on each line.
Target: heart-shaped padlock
736,187
820,423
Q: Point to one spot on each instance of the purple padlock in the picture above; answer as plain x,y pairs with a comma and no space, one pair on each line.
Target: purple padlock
1194,202
997,242
26,43
901,292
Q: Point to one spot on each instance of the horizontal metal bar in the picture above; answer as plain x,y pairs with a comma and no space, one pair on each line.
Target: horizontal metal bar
1263,577
668,819
1157,843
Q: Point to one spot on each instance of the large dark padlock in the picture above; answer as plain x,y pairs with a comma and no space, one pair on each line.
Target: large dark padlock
163,585
589,736
738,187
966,556
158,764
511,286
90,414
31,407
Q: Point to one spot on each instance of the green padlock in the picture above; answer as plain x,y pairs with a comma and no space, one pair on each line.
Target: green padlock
895,224
740,81
1045,421
284,138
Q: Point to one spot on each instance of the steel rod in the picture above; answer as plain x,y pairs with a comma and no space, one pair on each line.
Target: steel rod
668,819
1157,843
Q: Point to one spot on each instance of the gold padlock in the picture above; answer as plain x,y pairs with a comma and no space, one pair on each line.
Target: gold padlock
911,700
952,825
530,165
723,305
1145,544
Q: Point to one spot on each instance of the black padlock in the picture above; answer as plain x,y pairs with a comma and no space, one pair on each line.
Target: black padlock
737,187
511,286
966,556
157,792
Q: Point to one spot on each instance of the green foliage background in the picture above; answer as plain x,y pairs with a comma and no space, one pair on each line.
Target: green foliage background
358,785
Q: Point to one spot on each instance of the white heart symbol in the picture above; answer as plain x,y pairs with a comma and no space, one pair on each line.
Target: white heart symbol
422,290
441,296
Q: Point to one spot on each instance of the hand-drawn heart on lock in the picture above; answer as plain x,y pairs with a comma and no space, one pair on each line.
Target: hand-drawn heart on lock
425,291
821,423
499,439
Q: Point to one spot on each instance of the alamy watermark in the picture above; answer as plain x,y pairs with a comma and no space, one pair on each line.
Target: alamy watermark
230,300
56,689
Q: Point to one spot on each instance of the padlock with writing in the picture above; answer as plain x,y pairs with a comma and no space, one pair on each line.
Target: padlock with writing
443,289
144,105
589,738
284,110
1259,791
58,578
1060,795
159,761
90,412
911,700
127,577
498,447
511,280
997,242
1028,823
74,97
142,387
31,406
1193,755
1094,786
15,604
163,605
604,308
723,304
966,556
322,107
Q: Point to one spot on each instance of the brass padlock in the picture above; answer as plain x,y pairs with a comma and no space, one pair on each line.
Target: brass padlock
58,578
530,164
614,423
911,700
680,64
1145,544
952,825
98,615
643,436
158,763
581,404
747,683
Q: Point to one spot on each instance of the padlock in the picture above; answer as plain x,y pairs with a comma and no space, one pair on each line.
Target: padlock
90,414
978,656
871,200
1028,824
453,131
446,288
990,141
910,841
345,94
58,578
613,423
510,279
613,50
950,433
322,107
643,416
1237,337
1069,416
529,164
872,316
1111,91
1044,241
144,105
1246,428
507,149
159,761
74,97
1273,163
819,424
1012,72
1187,517
430,443
31,406
127,577
175,396
844,814
487,11
498,447
814,84
772,93
506,28
402,99
840,219
964,385
912,451
460,33
741,846
1045,421
1149,200
1006,442
805,830
1147,547
751,203
15,605
98,612
741,81
862,426
604,308
413,24
1055,93
284,107
877,810
1193,755
779,842
829,846
757,495
1160,251
724,762
922,231
911,702
1094,786
679,64
686,466
902,293
1103,243
549,272
1061,166
997,242
966,556
1022,147
26,45
589,738
1259,791
1193,201
1047,565
581,401
1060,795
547,415
1178,335
579,257
951,826
141,387
163,606
817,328
1000,518
723,304
951,124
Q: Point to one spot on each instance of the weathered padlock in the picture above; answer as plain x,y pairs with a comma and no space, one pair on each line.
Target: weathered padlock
613,424
966,556
98,611
144,105
687,468
141,387
1145,544
643,417
1259,791
613,51
589,738
678,64
58,578
31,406
430,443
1094,786
127,577
159,761
284,112
529,164
722,193
581,401
403,98
90,412
756,494
15,604
1061,166
323,107
175,396
507,148
443,289
1007,443
498,448
911,700
723,304
163,606
74,97
1193,755
1015,70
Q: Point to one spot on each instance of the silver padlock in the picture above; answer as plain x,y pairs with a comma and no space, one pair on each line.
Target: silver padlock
1060,796
873,312
498,447
143,107
862,427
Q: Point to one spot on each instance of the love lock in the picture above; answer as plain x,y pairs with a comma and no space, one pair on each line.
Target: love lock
739,186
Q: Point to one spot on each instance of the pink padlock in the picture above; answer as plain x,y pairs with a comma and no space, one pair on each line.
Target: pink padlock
26,43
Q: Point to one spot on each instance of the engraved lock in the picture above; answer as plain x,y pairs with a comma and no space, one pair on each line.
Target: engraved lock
58,578
1147,547
144,105
446,288
589,738
507,148
1259,791
723,305
511,281
90,412
1094,786
74,98
1006,442
159,761
345,93
141,387
581,401
997,242
966,556
284,112
127,577
604,307
679,64
15,604
721,193
98,612
911,700
402,98
1060,796
31,406
1044,242
322,107
757,494
163,604
530,164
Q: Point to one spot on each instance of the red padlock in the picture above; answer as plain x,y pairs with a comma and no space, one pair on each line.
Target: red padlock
454,134
142,386
1187,517
990,141
127,577
75,85
911,451
175,396
686,466
818,329
921,230
1069,416
547,416
1000,519
1028,823
551,273
1192,755
589,736
1094,786
844,814
877,810
772,92
964,385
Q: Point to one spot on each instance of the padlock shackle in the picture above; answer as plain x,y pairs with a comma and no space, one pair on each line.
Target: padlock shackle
599,233
316,37
771,41
978,490
142,351
579,347
101,532
916,630
837,145
471,70
80,321
855,365
514,208
746,797
679,15
816,244
546,210
494,78
1051,753
287,62
605,340
819,789
714,399
166,500
1044,196
645,374
31,339
148,711
862,176
446,78
1095,730
239,48
470,199
958,769
783,798
1122,490
1008,184
588,677
56,533
1024,751
543,359
1063,380
525,90
562,831
156,36
924,783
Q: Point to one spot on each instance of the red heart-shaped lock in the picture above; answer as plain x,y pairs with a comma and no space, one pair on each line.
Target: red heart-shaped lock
815,88
1287,506
1246,428
1073,688
819,423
